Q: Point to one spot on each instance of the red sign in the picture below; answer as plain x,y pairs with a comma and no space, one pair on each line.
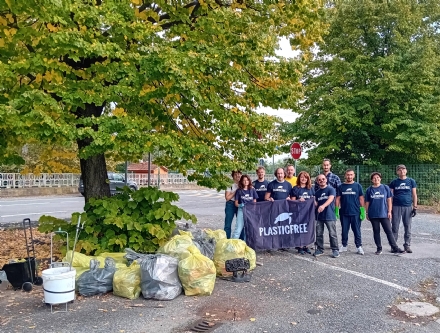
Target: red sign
295,150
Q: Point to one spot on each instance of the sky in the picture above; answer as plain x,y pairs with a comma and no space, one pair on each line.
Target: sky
286,115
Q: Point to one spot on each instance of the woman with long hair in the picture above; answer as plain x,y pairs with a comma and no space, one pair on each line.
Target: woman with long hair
303,191
378,206
244,194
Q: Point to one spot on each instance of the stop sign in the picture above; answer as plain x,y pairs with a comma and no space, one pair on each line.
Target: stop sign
295,150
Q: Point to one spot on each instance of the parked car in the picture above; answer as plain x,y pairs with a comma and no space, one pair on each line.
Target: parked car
116,181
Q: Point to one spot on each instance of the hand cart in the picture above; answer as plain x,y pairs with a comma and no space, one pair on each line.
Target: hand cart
23,274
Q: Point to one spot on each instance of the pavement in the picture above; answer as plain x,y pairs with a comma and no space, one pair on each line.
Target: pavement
288,292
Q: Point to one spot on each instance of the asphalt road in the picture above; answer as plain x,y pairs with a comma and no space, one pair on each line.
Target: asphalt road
288,293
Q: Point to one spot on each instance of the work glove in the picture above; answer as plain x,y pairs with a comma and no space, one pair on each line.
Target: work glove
241,205
413,212
362,213
337,212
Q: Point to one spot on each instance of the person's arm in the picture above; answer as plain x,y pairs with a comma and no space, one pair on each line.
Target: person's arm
390,206
267,197
236,203
338,201
414,197
229,195
361,201
367,204
325,204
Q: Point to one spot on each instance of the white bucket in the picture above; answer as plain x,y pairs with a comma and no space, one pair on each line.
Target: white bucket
59,285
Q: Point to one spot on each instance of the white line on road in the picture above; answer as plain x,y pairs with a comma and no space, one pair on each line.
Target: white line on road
26,204
362,275
40,213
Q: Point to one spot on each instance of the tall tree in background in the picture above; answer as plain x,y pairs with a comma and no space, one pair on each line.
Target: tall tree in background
130,76
373,91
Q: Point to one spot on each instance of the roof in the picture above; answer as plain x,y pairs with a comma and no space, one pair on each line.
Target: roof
143,166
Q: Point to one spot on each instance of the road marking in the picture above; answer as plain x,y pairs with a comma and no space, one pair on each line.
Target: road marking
36,203
362,275
40,213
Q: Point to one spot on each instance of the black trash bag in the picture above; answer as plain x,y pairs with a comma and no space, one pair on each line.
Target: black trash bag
204,243
159,277
97,280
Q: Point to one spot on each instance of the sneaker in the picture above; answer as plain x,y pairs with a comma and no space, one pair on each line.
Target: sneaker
343,248
307,250
318,253
360,250
335,253
397,250
301,251
407,249
379,251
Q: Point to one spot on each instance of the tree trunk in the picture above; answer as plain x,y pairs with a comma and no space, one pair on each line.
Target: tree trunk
94,168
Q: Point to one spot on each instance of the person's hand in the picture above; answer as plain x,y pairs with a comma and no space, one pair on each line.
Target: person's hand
302,199
414,212
270,199
321,209
389,215
241,205
288,198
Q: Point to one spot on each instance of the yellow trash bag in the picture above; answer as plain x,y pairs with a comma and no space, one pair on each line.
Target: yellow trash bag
177,247
118,257
81,260
188,233
216,234
226,249
127,281
197,273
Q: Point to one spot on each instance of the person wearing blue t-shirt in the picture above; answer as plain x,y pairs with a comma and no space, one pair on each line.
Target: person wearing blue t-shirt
303,191
325,212
378,205
244,194
350,207
260,185
279,188
404,191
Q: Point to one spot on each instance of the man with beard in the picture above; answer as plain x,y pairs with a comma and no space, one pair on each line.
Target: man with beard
332,179
260,185
279,188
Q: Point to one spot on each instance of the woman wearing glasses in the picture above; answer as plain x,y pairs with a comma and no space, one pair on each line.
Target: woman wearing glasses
303,191
378,205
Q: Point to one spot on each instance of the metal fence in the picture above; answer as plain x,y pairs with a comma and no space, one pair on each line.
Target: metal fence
17,180
427,177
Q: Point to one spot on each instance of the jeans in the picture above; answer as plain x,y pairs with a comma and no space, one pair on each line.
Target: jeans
331,227
239,224
386,226
355,222
404,213
230,211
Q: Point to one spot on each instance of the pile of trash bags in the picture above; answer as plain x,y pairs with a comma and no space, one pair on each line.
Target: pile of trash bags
189,261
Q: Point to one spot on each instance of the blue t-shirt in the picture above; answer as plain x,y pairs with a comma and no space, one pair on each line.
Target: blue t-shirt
349,195
245,196
377,198
321,196
261,188
279,191
302,192
402,191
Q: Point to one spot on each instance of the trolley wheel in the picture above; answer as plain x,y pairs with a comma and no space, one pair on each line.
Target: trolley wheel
38,281
27,286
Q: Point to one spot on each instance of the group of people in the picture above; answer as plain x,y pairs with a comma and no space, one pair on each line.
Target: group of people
381,204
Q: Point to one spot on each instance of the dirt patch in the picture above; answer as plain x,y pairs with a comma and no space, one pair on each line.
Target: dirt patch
427,288
16,247
231,309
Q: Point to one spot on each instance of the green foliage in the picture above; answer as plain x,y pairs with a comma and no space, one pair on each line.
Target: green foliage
127,77
140,220
373,91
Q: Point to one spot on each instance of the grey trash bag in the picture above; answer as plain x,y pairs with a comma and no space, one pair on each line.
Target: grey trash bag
159,277
204,243
97,280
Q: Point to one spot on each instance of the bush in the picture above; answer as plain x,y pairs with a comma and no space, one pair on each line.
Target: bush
140,220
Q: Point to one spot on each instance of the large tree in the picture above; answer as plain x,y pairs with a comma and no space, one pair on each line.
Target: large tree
127,77
373,90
